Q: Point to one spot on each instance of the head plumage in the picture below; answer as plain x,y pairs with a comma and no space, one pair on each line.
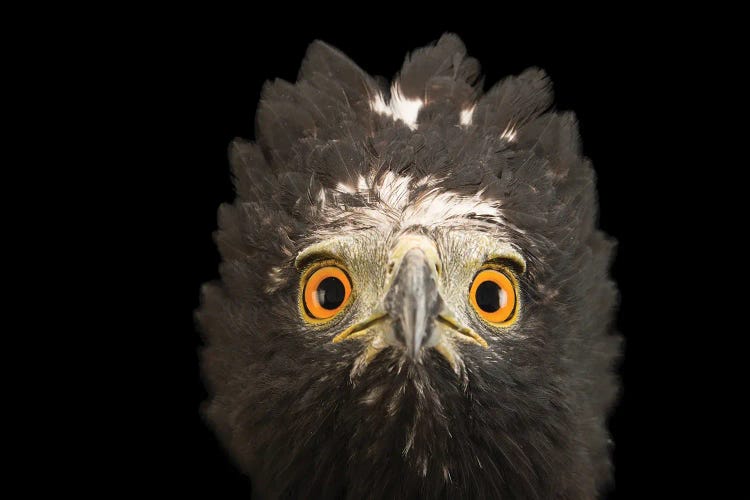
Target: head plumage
340,151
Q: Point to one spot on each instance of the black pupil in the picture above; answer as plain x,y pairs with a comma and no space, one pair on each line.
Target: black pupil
330,293
489,296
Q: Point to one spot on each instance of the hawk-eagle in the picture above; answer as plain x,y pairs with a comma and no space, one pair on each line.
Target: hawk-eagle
414,298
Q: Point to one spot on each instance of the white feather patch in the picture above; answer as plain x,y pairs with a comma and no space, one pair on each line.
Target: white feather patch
344,188
399,107
509,134
391,202
466,116
362,184
393,190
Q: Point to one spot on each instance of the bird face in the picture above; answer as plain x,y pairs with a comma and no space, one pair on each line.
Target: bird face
412,289
414,300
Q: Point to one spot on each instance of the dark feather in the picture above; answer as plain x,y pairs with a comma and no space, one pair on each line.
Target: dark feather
282,401
441,73
514,101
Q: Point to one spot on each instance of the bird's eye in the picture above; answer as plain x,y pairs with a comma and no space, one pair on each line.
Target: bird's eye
326,292
493,297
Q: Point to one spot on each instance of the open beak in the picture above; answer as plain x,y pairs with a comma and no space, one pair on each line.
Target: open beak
413,315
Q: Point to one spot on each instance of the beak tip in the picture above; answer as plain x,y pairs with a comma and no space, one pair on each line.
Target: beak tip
413,352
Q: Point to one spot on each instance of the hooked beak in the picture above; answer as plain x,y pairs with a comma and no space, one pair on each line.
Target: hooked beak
413,308
413,302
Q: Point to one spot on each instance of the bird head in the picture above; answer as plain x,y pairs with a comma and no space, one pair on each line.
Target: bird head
414,296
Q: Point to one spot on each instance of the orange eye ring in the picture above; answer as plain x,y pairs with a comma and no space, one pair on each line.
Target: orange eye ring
493,297
326,291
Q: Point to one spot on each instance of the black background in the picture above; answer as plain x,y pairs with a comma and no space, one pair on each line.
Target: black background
204,80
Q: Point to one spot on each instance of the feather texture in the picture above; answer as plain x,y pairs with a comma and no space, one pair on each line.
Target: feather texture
331,160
